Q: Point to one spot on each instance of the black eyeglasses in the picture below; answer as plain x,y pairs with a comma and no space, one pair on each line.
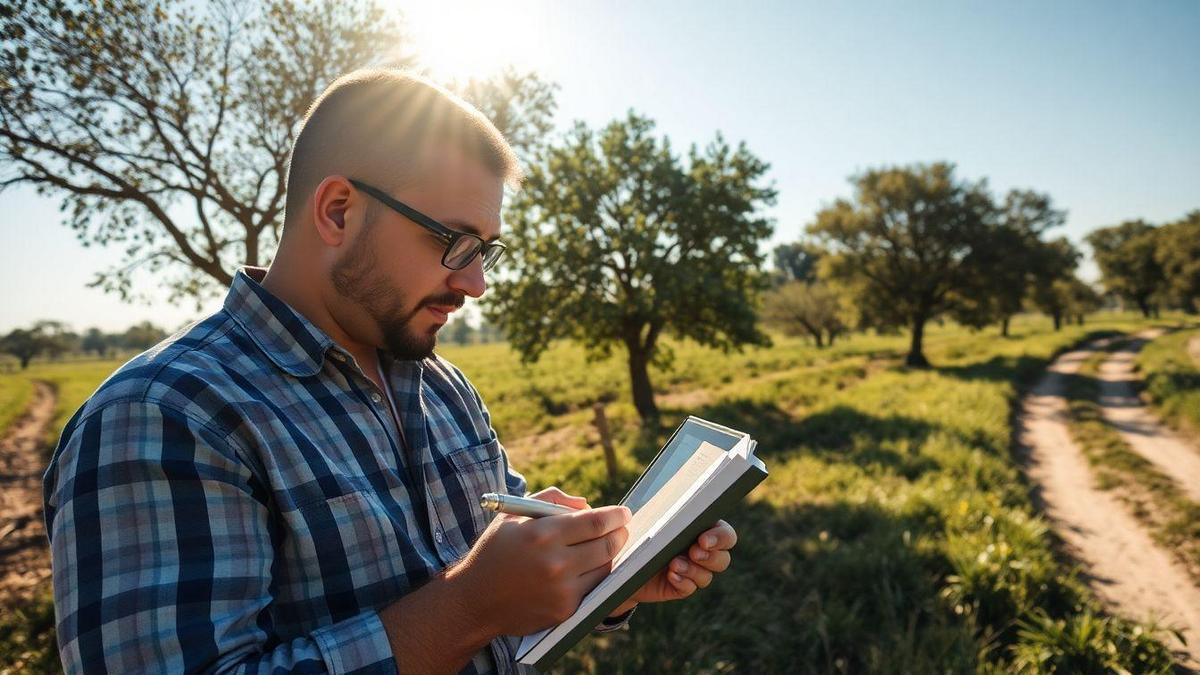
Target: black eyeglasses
461,247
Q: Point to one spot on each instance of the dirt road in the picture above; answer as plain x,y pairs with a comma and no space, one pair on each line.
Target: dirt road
1126,569
1170,453
24,558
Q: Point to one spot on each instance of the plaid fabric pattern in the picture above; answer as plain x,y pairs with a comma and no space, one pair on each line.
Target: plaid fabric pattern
238,499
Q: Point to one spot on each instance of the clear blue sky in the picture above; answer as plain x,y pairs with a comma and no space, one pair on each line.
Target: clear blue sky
1096,103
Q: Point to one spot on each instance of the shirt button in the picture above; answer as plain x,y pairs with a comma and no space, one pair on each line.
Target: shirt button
376,398
437,535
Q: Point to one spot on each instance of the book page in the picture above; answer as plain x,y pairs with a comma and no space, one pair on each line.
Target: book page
688,475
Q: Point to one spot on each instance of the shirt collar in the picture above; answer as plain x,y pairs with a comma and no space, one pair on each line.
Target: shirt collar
291,341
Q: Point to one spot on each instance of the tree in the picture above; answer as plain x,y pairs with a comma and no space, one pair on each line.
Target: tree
459,331
45,337
489,332
96,342
1177,251
616,242
1082,299
141,336
166,126
1125,254
521,105
1009,261
815,309
795,262
911,239
1055,289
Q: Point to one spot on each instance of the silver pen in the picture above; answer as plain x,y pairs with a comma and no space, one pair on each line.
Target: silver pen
521,506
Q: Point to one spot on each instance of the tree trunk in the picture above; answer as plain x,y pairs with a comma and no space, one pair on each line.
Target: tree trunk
915,358
639,379
1057,320
1145,309
25,361
817,337
1004,327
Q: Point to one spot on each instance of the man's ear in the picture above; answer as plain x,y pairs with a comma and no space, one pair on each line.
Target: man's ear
334,203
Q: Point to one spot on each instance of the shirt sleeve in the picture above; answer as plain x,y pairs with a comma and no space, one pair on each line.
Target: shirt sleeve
161,546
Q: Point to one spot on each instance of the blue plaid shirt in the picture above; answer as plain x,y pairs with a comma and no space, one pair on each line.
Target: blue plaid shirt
238,499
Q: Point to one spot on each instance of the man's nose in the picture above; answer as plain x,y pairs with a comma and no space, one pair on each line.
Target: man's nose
469,280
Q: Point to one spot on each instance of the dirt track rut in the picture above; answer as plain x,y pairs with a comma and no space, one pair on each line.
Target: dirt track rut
1126,569
1170,452
24,558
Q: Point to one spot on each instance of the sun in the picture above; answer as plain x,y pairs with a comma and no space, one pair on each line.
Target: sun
461,39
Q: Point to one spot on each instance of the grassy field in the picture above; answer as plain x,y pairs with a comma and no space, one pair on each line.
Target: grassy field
894,534
73,383
1172,378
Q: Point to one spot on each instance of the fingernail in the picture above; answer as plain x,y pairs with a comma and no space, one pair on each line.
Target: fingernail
681,566
676,578
710,541
700,554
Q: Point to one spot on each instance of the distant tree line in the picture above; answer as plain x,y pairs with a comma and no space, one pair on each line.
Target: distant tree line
917,243
54,340
1151,267
460,332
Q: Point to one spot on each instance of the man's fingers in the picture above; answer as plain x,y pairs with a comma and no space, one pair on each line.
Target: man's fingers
575,528
598,552
697,574
556,496
682,584
592,578
720,537
715,561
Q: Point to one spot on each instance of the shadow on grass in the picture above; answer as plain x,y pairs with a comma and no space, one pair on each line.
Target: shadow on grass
843,432
822,588
1022,370
1019,369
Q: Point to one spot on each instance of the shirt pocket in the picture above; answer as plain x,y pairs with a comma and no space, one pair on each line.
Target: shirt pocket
477,469
349,543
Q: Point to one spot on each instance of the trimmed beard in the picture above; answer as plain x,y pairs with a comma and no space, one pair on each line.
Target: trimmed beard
357,277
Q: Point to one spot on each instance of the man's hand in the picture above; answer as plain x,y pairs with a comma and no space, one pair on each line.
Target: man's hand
709,555
524,574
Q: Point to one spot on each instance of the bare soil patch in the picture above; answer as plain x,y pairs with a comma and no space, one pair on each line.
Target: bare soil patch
1169,451
24,556
1122,564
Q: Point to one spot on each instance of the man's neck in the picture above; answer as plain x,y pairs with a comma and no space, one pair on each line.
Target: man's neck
300,296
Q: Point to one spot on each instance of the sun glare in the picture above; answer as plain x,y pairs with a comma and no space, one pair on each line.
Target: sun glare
465,38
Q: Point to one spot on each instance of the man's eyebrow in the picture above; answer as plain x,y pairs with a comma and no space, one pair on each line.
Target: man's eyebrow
463,226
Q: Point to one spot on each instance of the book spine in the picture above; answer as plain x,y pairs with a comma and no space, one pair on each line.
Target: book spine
721,506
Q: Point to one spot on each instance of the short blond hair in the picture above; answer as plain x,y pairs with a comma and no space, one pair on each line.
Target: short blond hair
379,124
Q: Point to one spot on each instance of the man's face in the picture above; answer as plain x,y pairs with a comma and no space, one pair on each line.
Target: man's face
392,269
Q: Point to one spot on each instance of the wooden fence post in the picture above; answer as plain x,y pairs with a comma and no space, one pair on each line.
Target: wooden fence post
610,456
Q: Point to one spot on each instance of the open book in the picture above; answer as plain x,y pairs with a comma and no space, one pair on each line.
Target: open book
701,473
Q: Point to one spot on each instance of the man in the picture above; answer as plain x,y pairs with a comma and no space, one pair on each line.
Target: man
292,484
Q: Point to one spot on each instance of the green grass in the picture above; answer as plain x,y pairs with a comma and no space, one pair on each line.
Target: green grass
1153,497
16,391
893,535
27,642
1172,379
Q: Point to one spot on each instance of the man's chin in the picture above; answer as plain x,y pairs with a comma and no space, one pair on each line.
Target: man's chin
411,347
